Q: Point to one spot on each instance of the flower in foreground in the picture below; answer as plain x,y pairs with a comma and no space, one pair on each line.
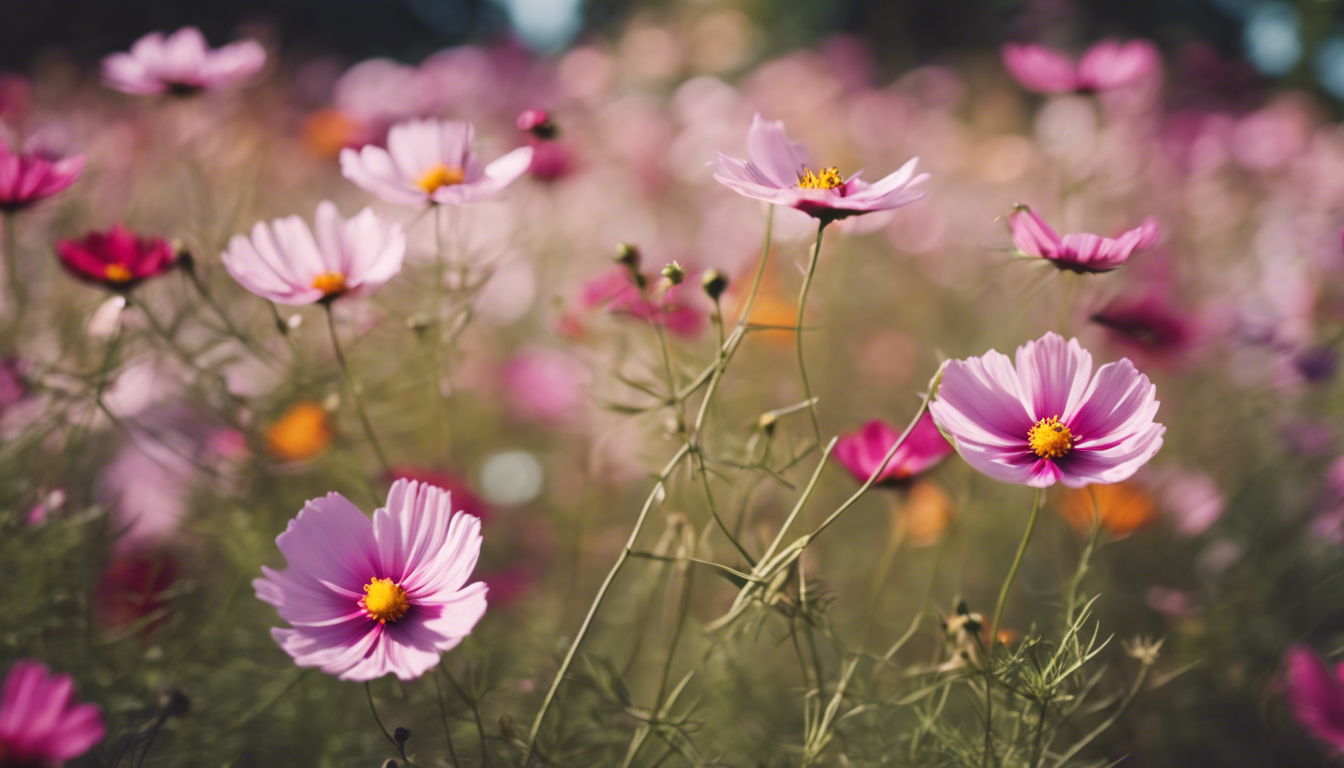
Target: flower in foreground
1108,64
40,724
117,259
31,177
775,172
1050,420
288,263
1079,252
431,161
367,597
181,64
861,452
1316,695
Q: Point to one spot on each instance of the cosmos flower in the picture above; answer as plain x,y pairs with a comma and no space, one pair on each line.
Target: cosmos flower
40,724
776,174
672,307
1108,64
117,259
861,452
181,64
1080,252
302,432
464,498
1316,695
286,262
431,161
31,177
1122,508
1050,420
365,598
1150,325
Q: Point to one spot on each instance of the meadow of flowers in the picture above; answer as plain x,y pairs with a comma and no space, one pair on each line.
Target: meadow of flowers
662,402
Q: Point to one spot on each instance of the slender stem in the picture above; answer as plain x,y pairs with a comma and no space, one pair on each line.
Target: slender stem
1012,572
368,691
354,389
18,291
798,331
443,712
246,341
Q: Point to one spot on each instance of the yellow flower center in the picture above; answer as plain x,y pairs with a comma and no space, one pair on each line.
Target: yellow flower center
440,176
828,178
116,273
330,283
1050,439
384,601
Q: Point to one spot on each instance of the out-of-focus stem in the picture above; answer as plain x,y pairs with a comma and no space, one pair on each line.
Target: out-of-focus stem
798,332
354,389
17,290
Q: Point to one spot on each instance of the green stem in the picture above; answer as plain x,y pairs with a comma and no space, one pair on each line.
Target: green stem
1017,563
354,389
447,730
17,289
798,331
368,691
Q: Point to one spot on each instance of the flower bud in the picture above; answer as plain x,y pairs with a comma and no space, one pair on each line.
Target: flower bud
628,255
506,726
675,273
714,283
538,122
401,735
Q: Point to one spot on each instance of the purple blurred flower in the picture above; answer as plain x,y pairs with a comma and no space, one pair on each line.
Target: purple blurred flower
776,174
1080,252
286,262
40,722
1050,420
1316,695
31,177
365,598
861,452
1108,64
181,64
117,259
1192,499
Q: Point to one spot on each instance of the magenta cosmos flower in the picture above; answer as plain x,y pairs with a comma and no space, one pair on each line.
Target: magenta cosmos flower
40,723
861,452
1079,252
117,258
1109,64
365,598
286,262
1050,420
776,174
181,64
29,177
431,161
1316,695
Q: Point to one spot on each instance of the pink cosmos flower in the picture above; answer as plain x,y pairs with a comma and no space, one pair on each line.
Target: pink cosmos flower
1080,252
431,161
1316,695
1151,325
776,174
181,64
118,258
32,177
39,722
1109,64
286,262
620,296
365,598
1050,420
464,498
861,452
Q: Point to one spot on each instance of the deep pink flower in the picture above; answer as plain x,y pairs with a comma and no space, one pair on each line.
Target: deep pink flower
551,160
31,177
1151,324
1108,64
365,598
620,296
181,64
1080,252
776,174
464,498
117,258
1316,695
40,723
861,451
1050,420
288,263
431,161
132,589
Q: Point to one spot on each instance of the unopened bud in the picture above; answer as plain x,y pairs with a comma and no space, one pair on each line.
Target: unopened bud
506,726
715,283
767,423
417,323
538,122
628,255
183,259
401,735
675,273
174,703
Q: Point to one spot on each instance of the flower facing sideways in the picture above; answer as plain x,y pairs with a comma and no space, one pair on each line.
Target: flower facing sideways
861,452
1316,695
30,177
181,64
117,258
1107,65
1081,252
367,598
1050,420
40,723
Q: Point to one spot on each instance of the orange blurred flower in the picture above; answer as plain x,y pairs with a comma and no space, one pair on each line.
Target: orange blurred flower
926,513
1124,507
771,307
328,131
301,433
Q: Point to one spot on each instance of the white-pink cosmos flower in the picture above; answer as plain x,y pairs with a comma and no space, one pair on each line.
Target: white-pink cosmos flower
365,598
1050,420
288,263
431,161
181,64
1081,251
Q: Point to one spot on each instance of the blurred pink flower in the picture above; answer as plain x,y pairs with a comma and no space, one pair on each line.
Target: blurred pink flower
31,177
861,452
776,174
46,507
551,160
118,258
544,385
1050,420
286,262
132,588
1108,64
1192,499
1316,695
40,721
672,308
431,161
181,64
1079,252
1151,325
365,598
509,584
13,383
538,123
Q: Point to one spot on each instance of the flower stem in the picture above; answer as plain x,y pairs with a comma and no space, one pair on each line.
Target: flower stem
798,332
368,691
1017,563
17,291
354,389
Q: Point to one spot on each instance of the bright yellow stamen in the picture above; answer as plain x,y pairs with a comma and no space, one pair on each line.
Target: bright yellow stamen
828,178
384,601
330,283
116,273
1050,439
440,176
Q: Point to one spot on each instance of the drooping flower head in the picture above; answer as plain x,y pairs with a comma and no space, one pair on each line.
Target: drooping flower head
1107,65
431,161
40,722
861,452
1316,695
775,172
181,64
1079,252
288,263
31,177
1050,420
118,258
365,598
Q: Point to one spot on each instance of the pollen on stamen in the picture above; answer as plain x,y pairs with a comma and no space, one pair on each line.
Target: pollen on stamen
440,176
827,178
384,601
116,273
1050,438
330,283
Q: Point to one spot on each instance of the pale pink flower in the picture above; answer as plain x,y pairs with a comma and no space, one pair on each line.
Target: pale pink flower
1108,64
40,721
181,64
31,177
1079,252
